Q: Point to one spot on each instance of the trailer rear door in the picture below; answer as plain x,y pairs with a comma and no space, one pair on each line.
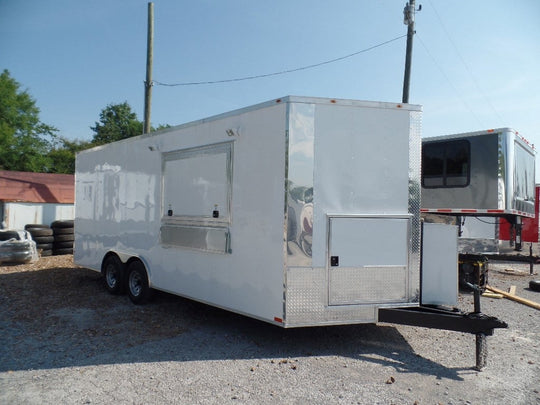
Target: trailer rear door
368,259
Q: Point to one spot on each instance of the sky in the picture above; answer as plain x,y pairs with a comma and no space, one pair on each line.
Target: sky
475,64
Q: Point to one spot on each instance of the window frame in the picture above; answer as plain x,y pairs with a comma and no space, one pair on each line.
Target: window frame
444,176
178,217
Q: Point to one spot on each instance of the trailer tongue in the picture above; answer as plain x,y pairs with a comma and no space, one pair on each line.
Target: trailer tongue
475,322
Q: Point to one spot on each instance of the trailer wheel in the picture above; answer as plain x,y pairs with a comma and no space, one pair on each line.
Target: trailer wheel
139,291
113,272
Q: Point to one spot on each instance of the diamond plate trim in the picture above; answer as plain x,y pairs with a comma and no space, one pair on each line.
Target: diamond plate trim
307,297
361,285
415,164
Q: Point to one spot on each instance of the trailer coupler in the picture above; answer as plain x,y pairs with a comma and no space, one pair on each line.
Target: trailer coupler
476,323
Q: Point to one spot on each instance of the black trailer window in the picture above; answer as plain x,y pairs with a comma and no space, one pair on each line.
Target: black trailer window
446,164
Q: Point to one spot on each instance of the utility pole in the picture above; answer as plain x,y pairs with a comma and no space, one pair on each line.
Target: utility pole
408,19
149,62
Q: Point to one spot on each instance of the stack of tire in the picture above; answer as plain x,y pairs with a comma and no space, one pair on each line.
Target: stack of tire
63,237
43,236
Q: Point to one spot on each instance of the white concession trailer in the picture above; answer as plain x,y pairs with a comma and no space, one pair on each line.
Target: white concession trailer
298,211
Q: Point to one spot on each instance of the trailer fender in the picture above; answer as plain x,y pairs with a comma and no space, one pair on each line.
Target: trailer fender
123,256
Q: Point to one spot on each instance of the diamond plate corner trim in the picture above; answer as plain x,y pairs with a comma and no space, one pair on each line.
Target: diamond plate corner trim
415,162
307,299
368,285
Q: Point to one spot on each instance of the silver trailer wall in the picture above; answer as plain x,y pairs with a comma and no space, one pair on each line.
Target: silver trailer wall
353,211
439,264
479,235
299,211
485,173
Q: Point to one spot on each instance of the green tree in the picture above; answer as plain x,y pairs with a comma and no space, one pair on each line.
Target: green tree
116,122
63,154
24,140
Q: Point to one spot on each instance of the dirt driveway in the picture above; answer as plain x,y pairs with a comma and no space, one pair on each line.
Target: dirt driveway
64,339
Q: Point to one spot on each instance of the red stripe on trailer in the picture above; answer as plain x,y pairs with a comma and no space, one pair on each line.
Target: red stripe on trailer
278,319
475,211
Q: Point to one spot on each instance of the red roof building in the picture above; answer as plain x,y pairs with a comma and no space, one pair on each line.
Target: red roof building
37,187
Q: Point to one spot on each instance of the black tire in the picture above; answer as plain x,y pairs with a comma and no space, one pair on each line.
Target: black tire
7,235
35,232
66,223
534,285
36,226
113,271
46,253
43,239
63,245
65,251
64,238
44,246
63,231
138,289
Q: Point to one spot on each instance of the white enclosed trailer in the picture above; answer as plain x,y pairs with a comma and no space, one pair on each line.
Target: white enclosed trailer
298,211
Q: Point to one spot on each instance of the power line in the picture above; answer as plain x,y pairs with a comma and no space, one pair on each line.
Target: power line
280,72
449,81
473,77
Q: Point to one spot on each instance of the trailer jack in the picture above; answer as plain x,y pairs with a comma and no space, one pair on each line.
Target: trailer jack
475,322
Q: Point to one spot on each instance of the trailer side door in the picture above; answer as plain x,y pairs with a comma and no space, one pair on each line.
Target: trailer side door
368,259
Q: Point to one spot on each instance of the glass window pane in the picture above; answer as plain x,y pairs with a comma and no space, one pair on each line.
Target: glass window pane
433,165
446,164
457,163
195,181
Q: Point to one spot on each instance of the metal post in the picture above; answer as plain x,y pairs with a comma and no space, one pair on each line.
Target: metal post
481,339
531,260
481,351
476,294
460,223
408,14
519,227
149,62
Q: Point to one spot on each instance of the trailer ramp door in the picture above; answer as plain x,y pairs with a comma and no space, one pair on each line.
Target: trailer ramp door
368,260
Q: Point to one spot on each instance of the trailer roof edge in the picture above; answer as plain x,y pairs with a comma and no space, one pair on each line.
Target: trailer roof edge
285,99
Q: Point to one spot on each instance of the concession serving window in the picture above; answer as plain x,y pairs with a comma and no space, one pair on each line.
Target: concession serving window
197,191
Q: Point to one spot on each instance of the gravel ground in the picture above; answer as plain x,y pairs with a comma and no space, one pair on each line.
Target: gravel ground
64,339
